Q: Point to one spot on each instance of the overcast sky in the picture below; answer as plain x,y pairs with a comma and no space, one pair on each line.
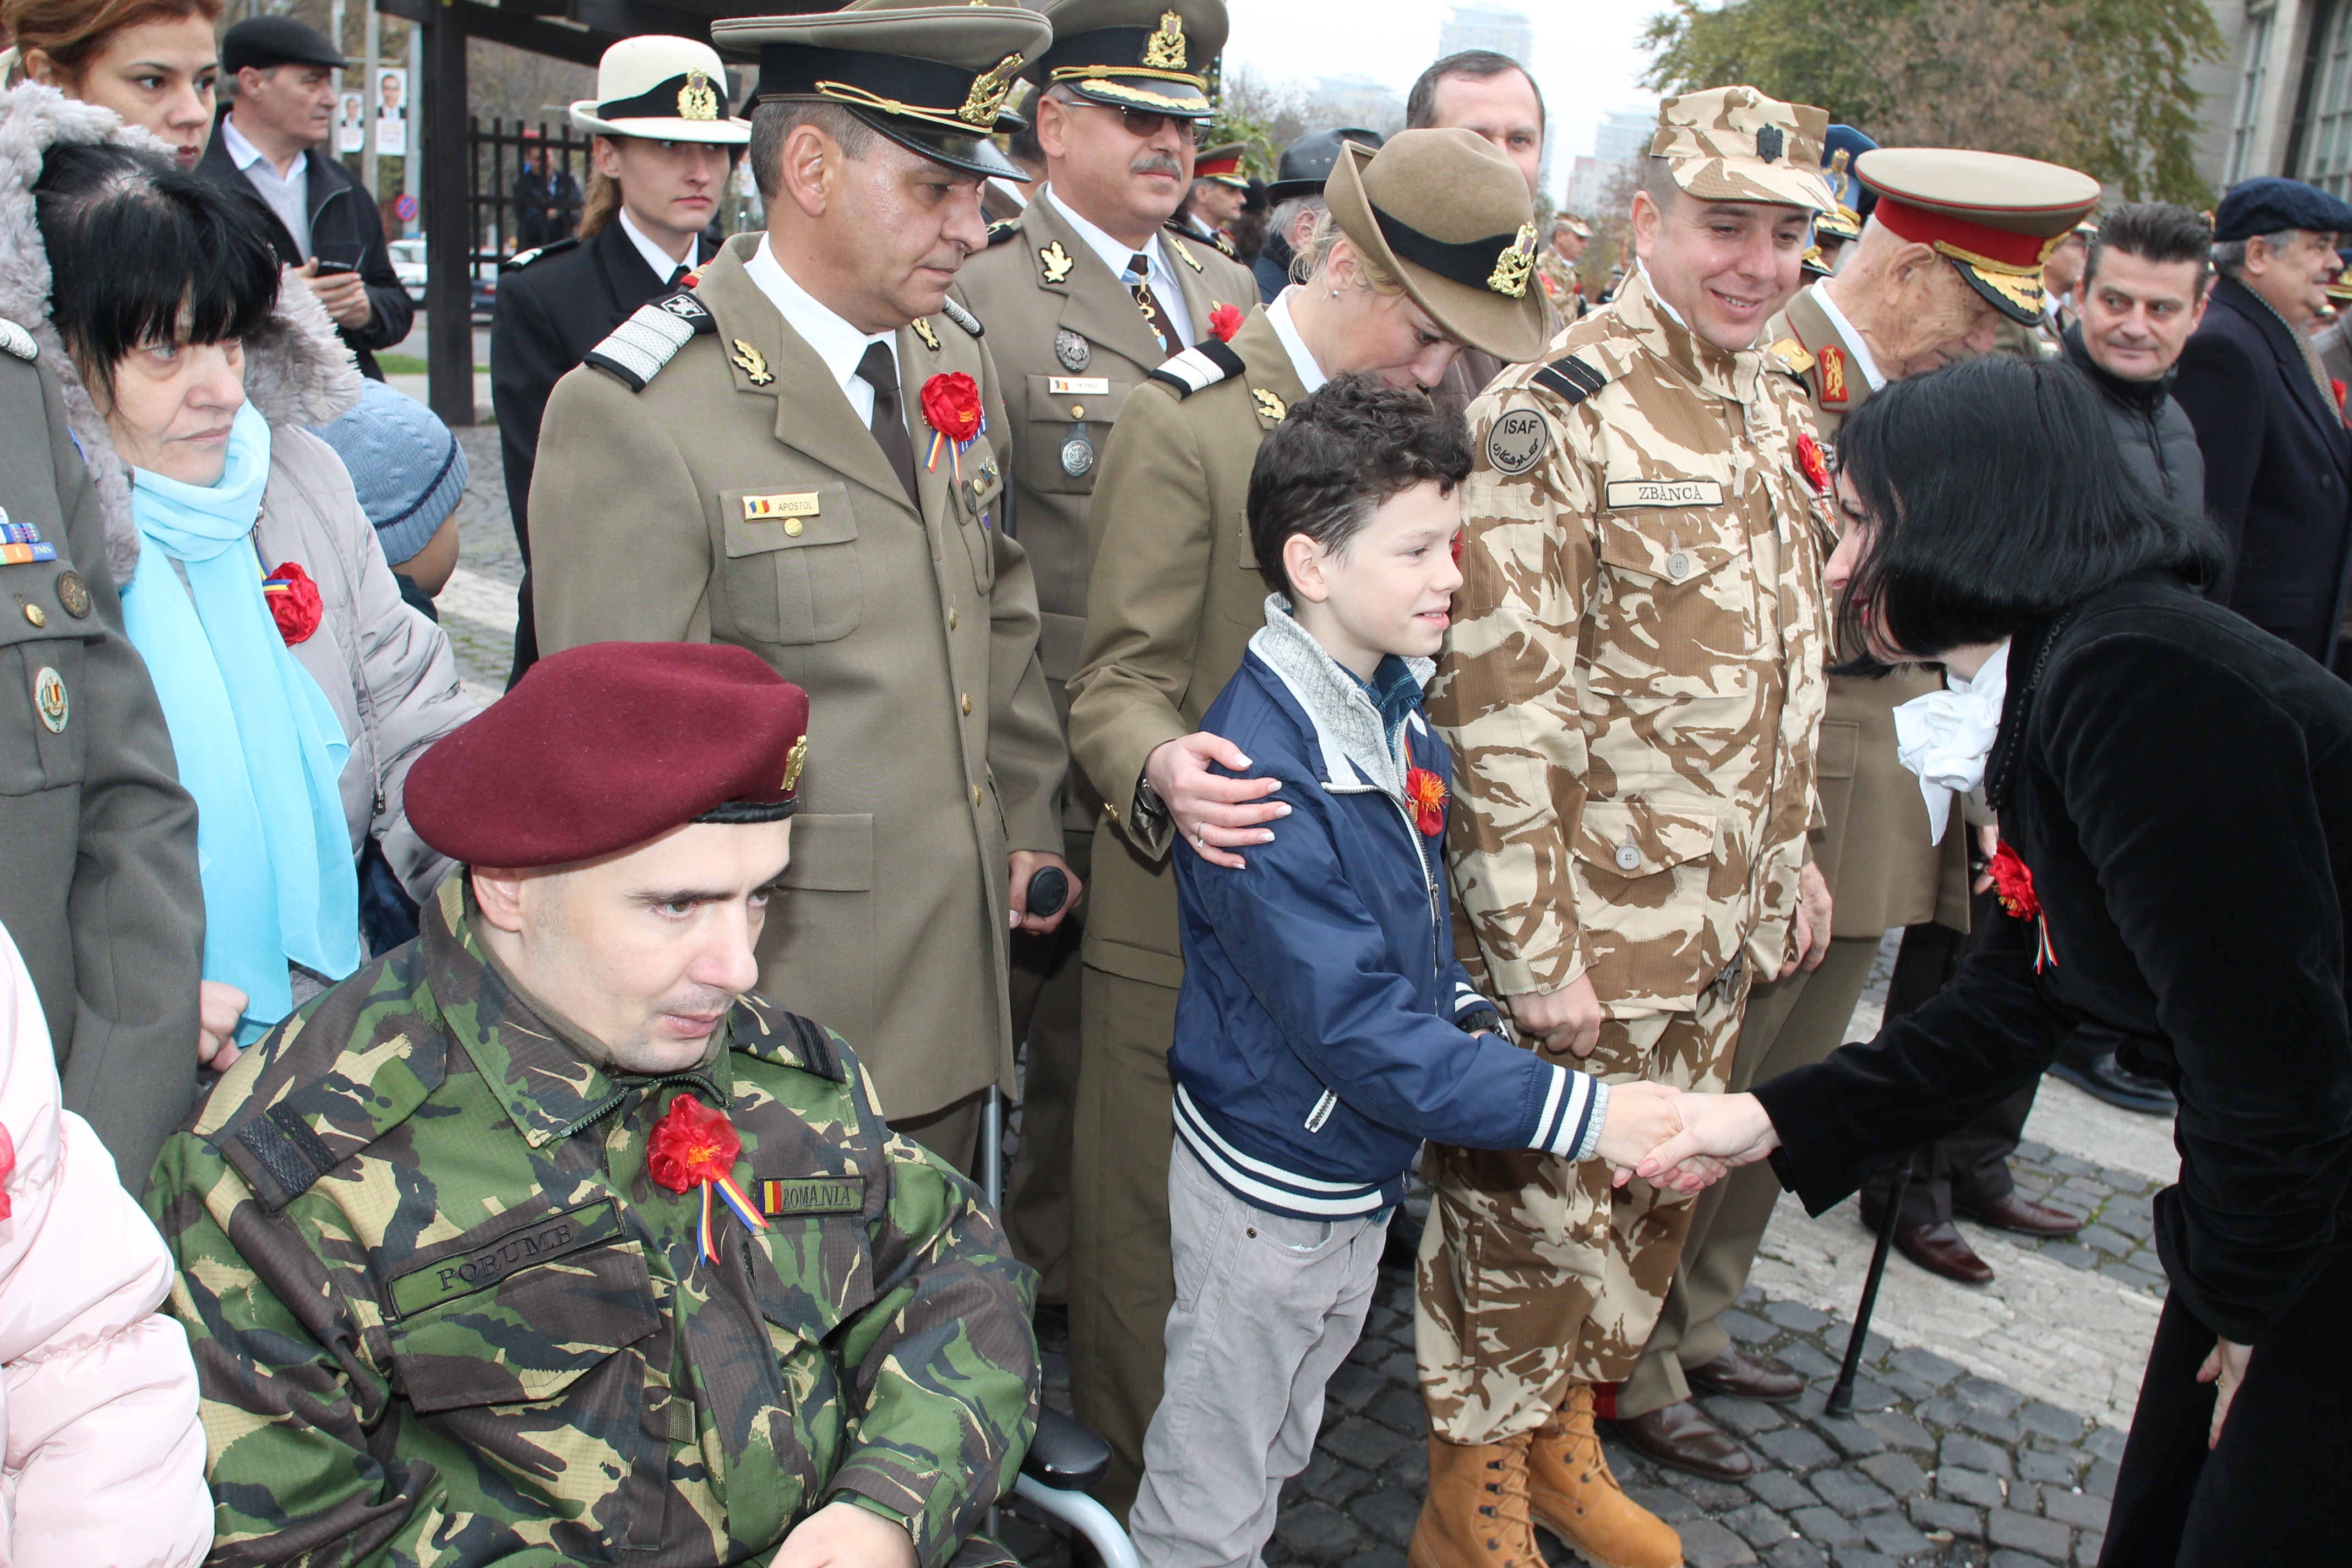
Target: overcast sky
1588,53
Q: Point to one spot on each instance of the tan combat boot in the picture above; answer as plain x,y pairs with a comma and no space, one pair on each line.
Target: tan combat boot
1475,1514
1571,1493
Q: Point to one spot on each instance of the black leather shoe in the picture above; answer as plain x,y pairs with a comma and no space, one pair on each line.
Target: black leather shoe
2021,1214
1939,1249
1764,1378
1681,1438
2109,1079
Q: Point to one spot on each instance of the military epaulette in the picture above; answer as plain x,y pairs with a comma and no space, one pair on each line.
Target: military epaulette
1003,229
1200,367
963,318
523,259
17,341
1570,378
770,1032
650,339
1789,355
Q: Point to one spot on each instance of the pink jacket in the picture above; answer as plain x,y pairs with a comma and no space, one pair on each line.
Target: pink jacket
105,1461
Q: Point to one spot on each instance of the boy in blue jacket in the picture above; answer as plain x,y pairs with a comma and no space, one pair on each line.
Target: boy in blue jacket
1325,1027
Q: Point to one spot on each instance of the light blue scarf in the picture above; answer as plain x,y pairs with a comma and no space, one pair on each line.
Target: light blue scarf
259,744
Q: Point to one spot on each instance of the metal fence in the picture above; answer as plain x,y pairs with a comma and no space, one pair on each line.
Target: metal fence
509,212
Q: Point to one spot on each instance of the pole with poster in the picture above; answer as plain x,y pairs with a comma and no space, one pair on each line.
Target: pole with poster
412,170
375,52
390,86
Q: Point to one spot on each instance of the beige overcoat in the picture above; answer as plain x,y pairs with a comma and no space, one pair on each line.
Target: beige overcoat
739,499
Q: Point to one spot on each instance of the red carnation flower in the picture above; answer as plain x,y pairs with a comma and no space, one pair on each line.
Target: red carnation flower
1225,321
692,1143
294,602
952,405
1811,463
2013,883
1426,792
7,1168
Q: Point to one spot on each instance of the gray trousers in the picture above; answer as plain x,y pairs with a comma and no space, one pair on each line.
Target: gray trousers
1267,1308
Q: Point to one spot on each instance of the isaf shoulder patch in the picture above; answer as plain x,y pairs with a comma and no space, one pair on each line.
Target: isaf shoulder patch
1518,440
1570,378
523,259
1200,367
640,346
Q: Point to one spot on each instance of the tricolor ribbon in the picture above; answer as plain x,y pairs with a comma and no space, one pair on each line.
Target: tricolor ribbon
695,1145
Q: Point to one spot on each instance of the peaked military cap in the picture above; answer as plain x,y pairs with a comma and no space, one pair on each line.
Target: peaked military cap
1306,162
1151,55
1448,215
663,89
605,746
1734,144
933,79
1223,164
1994,217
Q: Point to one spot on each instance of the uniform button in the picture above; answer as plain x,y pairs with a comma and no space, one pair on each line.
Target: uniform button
952,620
793,527
37,616
975,795
1078,411
967,704
1628,858
1678,564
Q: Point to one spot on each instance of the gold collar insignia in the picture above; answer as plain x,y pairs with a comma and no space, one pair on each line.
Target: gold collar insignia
752,363
1269,406
1056,263
1184,253
923,330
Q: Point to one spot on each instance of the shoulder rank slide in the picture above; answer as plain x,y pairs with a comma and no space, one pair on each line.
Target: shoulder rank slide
521,259
1570,378
649,340
1789,355
1003,229
963,317
1200,367
17,341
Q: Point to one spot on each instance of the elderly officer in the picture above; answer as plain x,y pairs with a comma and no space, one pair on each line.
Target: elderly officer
1632,689
802,454
661,133
544,1236
1220,192
1074,327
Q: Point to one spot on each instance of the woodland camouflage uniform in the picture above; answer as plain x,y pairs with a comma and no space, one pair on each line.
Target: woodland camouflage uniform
442,1315
1632,691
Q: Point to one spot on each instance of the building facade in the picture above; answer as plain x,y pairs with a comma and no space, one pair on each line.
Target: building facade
2279,101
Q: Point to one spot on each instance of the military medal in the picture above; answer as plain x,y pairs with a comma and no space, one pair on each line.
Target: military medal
694,1145
21,544
1072,349
951,408
1077,455
49,698
73,594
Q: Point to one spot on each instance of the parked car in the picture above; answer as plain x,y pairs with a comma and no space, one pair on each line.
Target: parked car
408,266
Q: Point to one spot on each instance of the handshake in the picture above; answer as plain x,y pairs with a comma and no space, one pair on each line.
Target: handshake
1681,1140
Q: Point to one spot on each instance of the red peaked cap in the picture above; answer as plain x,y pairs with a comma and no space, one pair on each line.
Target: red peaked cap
602,747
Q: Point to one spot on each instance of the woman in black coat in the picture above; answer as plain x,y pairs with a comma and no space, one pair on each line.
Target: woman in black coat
2176,787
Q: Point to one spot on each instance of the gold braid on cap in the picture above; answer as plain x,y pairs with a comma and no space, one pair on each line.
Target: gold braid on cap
2010,269
960,121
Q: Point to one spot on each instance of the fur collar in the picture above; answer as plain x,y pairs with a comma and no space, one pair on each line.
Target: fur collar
296,371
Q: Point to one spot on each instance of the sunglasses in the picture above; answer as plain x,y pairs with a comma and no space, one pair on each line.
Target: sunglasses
1144,125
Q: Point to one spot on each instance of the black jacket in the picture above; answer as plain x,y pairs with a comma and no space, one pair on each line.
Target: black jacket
2181,788
344,227
2278,469
553,306
2159,441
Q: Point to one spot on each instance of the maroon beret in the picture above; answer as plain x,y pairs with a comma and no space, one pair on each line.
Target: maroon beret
606,745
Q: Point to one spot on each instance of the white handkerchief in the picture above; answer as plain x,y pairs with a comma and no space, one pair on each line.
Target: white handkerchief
1945,736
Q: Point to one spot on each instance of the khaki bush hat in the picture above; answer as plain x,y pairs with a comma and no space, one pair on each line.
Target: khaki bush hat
662,88
933,79
1152,55
1734,144
1448,215
1995,217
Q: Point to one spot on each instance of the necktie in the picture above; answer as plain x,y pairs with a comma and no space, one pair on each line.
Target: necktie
678,275
879,370
1138,279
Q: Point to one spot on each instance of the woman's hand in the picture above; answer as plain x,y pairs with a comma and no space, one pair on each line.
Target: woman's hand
1719,1131
2226,1368
1212,813
218,1008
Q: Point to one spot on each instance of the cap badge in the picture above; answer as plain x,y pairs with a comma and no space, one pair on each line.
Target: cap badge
698,99
1164,51
923,330
794,760
1056,263
1516,265
752,363
989,91
1770,143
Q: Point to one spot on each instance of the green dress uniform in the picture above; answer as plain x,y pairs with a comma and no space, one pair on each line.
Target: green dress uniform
98,839
442,1315
735,497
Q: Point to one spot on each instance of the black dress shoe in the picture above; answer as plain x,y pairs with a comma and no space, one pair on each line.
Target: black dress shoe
2013,1212
1681,1438
1939,1249
1765,1378
2110,1080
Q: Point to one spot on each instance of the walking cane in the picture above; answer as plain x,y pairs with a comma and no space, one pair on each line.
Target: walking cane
1841,1400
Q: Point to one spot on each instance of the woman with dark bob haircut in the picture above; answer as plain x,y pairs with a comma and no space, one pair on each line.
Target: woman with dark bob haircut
2175,794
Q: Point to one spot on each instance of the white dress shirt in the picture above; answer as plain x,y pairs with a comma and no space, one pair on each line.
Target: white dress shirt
1115,255
1871,373
289,194
835,341
1310,374
665,265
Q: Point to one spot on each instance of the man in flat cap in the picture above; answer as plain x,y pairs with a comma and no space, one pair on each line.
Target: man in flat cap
802,452
1632,690
1088,292
2278,461
271,137
545,1238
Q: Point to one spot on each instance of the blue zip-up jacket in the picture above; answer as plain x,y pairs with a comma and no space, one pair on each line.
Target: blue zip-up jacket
1324,1029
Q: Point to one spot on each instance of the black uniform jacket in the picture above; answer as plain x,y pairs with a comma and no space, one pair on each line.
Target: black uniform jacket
345,228
2278,469
2181,786
553,307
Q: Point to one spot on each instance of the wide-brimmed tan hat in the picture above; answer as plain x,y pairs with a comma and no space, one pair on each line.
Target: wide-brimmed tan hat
663,89
1736,145
1994,217
1448,215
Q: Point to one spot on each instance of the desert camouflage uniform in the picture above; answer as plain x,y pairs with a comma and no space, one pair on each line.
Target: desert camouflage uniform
442,1315
1632,690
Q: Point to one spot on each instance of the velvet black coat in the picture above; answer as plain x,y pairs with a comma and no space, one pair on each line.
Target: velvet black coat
2181,785
2278,469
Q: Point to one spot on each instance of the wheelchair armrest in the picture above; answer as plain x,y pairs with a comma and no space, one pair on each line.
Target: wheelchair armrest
1063,1455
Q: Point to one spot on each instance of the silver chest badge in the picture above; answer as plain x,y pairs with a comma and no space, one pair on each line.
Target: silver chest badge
1072,349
